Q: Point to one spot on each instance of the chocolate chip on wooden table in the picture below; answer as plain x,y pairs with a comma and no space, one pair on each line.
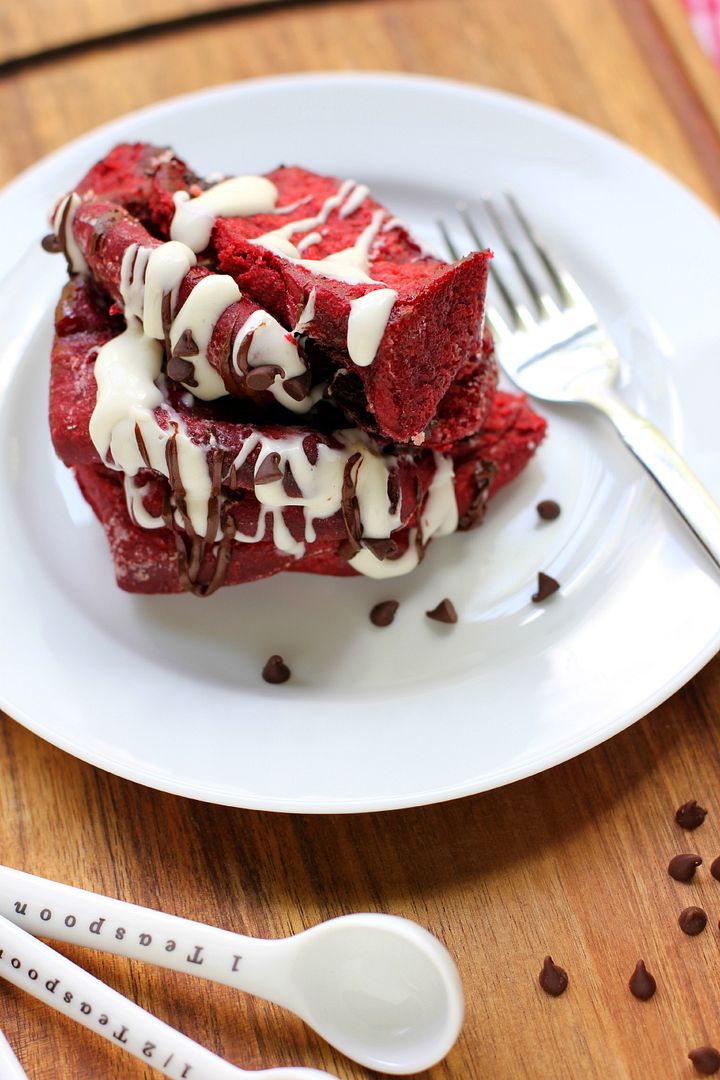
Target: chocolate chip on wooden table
683,867
706,1060
552,978
715,868
445,612
641,983
690,815
384,612
548,509
276,670
546,587
692,921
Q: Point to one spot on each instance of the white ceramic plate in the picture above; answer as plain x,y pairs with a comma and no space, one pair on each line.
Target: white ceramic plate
167,691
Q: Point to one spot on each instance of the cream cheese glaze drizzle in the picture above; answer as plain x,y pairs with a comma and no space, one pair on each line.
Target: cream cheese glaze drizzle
239,196
149,275
247,195
62,224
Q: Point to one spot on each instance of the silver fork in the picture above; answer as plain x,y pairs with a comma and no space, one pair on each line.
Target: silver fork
562,353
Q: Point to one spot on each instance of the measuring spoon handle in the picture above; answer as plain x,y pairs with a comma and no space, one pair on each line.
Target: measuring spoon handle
40,971
64,913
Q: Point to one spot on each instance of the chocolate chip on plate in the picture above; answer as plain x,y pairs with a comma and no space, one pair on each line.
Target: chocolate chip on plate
692,921
715,868
641,983
706,1060
546,587
690,815
553,979
683,867
548,509
276,670
51,243
445,612
384,612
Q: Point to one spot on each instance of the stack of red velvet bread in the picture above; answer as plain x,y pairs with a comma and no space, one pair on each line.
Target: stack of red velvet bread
265,373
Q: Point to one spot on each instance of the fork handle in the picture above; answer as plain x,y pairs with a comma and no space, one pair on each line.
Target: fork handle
672,474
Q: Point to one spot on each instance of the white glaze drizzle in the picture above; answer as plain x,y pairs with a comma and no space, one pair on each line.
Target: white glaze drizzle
439,517
239,196
308,241
321,486
149,274
67,207
367,323
242,197
307,314
354,201
368,564
271,344
126,372
134,495
199,314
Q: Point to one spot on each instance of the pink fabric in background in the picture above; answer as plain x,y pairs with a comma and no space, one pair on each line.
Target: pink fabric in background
705,19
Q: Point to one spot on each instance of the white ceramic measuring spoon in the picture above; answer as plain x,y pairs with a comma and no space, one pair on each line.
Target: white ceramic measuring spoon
380,989
10,1067
36,968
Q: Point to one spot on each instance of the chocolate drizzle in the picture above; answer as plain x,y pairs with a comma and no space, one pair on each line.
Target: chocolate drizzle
142,447
349,505
483,473
191,548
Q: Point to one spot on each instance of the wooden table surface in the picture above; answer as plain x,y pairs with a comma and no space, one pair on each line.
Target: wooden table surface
571,862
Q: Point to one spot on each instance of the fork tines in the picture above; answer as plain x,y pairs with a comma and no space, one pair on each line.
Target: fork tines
508,222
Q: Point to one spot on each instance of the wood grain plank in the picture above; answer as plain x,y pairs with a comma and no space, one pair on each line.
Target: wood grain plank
680,69
571,862
41,26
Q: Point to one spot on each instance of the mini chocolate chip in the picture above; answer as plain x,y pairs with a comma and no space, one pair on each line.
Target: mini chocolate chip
384,612
706,1060
276,670
715,868
548,509
683,867
180,370
690,815
552,978
642,984
445,612
186,345
381,549
692,921
51,243
268,471
262,377
298,387
546,587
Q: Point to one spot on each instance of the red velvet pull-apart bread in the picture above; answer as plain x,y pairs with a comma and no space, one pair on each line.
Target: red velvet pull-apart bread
269,373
